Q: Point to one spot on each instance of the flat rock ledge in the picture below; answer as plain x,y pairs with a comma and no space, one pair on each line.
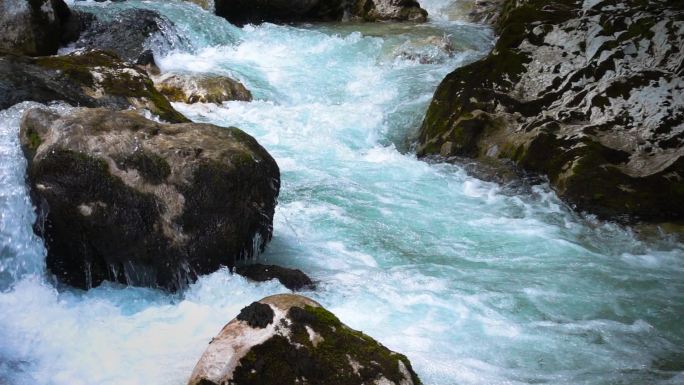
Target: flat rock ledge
290,339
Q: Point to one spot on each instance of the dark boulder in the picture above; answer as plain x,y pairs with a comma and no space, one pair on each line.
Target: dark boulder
89,79
297,342
124,198
292,279
131,34
32,27
242,12
588,94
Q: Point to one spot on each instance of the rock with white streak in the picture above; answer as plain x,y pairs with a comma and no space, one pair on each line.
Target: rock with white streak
289,339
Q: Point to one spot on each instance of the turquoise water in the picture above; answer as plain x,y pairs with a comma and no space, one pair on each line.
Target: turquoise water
475,282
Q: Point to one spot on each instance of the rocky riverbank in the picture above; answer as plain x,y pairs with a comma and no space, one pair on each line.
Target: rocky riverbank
588,94
128,190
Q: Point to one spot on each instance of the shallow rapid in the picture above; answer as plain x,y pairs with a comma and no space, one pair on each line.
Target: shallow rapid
475,282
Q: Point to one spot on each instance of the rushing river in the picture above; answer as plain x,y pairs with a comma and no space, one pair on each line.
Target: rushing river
475,282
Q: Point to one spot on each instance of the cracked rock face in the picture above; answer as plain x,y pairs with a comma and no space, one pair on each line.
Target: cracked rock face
124,198
290,339
588,93
242,12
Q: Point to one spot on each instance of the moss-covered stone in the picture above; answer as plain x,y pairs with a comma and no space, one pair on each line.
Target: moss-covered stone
547,97
188,88
306,344
90,78
126,199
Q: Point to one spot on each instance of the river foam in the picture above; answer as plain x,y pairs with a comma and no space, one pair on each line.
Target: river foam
475,282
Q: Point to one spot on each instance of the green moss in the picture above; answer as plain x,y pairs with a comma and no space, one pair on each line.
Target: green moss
115,81
34,140
279,361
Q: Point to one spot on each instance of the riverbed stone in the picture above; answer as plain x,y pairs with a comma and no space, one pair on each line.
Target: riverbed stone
242,12
132,34
32,27
588,94
303,343
201,88
83,78
127,199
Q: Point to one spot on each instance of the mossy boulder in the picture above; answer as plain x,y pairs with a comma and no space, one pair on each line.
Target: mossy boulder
127,199
242,12
588,94
132,34
89,79
290,339
204,88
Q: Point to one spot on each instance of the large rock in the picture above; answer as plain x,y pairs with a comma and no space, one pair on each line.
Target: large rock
589,94
124,198
190,88
290,339
89,79
32,27
242,12
132,34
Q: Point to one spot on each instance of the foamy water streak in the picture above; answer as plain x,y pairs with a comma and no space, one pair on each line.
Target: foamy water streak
475,282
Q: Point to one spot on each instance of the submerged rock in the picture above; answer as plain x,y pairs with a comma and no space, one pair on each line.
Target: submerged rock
290,339
89,79
292,279
203,88
131,34
242,12
33,28
124,198
433,49
589,94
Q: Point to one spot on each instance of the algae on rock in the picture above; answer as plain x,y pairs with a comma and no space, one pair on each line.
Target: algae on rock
589,94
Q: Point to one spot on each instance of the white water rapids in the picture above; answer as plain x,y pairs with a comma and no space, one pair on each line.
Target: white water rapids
475,282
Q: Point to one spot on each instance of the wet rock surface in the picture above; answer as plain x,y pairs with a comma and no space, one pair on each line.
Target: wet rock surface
126,199
589,94
89,79
292,279
130,34
304,344
242,12
192,88
33,28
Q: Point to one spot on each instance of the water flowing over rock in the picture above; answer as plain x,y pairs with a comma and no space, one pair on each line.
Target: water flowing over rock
290,339
242,12
188,88
89,79
131,34
589,94
127,199
292,279
33,28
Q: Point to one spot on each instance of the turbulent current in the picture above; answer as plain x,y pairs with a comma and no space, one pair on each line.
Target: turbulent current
477,283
